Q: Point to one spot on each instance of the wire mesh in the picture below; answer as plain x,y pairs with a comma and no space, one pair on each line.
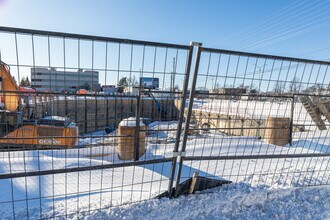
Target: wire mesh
102,122
259,119
84,135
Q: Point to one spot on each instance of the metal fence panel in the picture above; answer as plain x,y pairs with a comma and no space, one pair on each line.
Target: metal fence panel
238,116
257,118
67,72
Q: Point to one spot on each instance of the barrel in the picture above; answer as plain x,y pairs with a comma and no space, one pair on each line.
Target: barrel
127,139
277,131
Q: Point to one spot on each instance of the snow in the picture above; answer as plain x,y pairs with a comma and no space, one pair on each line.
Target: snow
130,122
262,188
258,110
77,193
58,118
235,201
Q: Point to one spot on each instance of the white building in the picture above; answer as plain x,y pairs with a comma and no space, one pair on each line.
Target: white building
132,90
109,89
43,79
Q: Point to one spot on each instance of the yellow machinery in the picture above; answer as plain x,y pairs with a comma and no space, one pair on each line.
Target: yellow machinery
49,132
9,96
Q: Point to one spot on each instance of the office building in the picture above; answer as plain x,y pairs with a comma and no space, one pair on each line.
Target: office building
43,79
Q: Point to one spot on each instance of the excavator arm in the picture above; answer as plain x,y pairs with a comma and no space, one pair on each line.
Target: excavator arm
18,136
9,96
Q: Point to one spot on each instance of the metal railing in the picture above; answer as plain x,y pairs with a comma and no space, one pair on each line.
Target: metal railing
224,114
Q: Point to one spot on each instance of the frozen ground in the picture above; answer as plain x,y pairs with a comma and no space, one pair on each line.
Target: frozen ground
257,182
75,194
236,201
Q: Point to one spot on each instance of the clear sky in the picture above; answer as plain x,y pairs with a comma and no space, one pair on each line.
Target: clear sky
297,28
216,23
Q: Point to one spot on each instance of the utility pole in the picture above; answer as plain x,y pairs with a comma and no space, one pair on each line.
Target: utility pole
173,77
260,73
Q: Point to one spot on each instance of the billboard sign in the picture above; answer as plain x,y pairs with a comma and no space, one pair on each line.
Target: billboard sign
149,82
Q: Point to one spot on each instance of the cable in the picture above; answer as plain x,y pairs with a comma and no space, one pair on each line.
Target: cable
260,22
273,24
264,43
315,51
289,29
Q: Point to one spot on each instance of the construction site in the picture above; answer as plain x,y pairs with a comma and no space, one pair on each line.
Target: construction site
177,128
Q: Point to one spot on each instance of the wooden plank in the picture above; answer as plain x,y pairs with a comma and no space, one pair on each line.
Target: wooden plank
193,182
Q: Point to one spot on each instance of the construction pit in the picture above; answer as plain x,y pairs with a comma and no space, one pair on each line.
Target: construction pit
272,121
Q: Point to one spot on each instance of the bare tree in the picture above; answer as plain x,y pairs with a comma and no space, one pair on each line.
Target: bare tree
294,85
132,81
315,89
279,87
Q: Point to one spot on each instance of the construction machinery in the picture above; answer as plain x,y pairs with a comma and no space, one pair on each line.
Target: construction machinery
159,105
150,83
43,133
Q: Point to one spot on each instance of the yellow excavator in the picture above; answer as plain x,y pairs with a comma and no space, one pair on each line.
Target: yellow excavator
52,132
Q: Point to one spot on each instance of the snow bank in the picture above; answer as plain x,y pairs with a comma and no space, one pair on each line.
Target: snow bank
130,122
235,201
99,189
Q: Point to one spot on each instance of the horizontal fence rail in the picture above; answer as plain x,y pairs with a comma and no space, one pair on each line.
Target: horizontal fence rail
88,37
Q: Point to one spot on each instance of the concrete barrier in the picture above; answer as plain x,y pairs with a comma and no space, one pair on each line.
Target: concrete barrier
92,113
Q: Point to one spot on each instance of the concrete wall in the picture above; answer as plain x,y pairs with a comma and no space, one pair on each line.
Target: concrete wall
276,133
94,113
229,124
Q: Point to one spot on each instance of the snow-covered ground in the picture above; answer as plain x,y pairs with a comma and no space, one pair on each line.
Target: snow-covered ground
235,201
257,182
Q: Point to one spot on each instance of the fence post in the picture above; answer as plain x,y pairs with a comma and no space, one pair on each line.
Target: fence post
57,103
137,127
96,113
107,109
189,112
181,116
65,104
86,122
75,109
291,120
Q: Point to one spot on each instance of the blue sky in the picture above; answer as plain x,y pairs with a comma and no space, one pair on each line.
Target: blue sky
212,22
283,27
